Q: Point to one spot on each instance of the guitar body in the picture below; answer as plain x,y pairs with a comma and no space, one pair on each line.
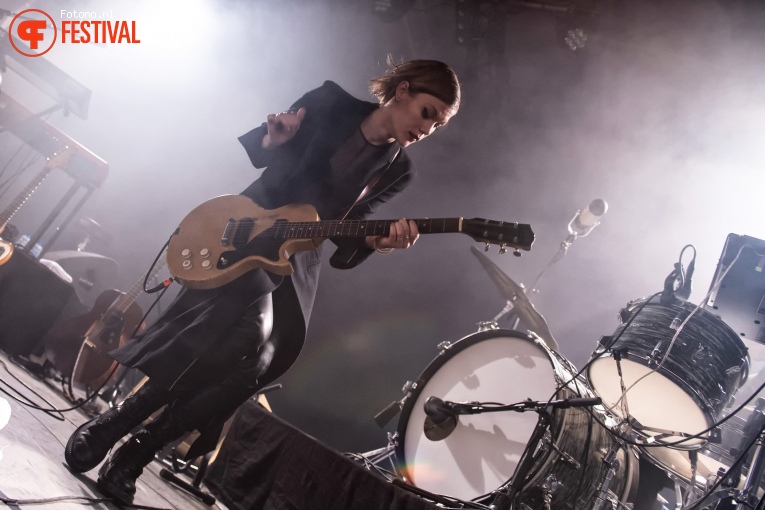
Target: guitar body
6,250
200,258
79,347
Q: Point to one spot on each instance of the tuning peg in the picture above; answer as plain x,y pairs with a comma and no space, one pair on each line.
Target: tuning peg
517,252
486,248
502,249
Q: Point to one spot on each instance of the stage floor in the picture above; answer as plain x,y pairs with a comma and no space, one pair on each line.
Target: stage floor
32,466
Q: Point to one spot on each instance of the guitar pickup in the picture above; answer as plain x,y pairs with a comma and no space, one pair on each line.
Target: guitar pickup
225,239
243,231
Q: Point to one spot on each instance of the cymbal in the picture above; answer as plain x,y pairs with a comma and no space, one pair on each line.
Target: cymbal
514,293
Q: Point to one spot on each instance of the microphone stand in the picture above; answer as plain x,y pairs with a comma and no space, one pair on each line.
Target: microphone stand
506,493
573,235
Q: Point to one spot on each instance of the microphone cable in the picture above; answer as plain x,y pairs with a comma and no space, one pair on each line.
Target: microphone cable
52,409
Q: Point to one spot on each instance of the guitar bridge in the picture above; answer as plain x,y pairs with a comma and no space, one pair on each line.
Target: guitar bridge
237,232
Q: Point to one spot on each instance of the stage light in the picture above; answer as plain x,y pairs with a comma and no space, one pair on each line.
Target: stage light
575,38
574,31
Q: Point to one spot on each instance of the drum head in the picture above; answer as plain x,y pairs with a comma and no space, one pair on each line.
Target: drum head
483,451
656,402
679,463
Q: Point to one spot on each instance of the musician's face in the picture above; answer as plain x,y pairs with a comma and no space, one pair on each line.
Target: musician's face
417,115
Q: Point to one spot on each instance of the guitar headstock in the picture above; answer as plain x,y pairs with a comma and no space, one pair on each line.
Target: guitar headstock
60,159
518,236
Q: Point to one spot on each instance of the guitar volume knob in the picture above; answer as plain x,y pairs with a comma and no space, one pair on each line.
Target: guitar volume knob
204,253
206,264
186,253
186,264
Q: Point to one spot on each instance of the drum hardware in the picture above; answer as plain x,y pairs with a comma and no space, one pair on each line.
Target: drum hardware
656,355
442,346
613,465
747,496
383,417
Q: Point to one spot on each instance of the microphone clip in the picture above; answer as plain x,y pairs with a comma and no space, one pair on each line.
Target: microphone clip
668,294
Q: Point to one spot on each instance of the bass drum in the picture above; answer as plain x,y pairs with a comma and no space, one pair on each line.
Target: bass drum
483,451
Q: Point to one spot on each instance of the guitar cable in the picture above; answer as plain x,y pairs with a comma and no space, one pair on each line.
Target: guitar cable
51,409
167,281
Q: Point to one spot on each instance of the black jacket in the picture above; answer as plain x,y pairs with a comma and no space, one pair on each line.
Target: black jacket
198,321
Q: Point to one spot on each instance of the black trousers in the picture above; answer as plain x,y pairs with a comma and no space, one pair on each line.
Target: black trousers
209,392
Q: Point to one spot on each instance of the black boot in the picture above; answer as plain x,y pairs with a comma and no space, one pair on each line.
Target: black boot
118,475
90,443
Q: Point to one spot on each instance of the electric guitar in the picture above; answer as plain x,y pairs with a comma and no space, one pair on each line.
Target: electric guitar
60,160
78,347
227,236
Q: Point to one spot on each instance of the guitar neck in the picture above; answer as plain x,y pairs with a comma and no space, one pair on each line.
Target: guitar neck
9,211
123,303
360,228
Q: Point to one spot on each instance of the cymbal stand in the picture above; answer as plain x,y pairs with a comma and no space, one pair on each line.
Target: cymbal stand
747,498
494,323
573,235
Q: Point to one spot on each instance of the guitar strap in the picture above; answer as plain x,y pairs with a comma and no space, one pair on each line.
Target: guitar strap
374,180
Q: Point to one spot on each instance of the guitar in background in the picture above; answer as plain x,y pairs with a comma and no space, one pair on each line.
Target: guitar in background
78,347
225,237
8,232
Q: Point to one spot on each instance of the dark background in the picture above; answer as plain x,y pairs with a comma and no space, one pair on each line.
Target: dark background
661,114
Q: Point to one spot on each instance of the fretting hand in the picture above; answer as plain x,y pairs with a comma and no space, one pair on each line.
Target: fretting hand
403,235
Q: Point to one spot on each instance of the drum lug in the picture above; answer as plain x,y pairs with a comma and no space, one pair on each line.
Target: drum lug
701,353
736,370
408,388
487,326
443,346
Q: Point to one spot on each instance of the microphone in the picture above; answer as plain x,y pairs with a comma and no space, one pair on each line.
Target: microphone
441,419
588,218
576,402
685,290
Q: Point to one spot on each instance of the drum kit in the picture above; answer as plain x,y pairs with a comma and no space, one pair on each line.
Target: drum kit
653,392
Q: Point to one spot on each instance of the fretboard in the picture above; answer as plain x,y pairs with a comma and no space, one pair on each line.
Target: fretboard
359,228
